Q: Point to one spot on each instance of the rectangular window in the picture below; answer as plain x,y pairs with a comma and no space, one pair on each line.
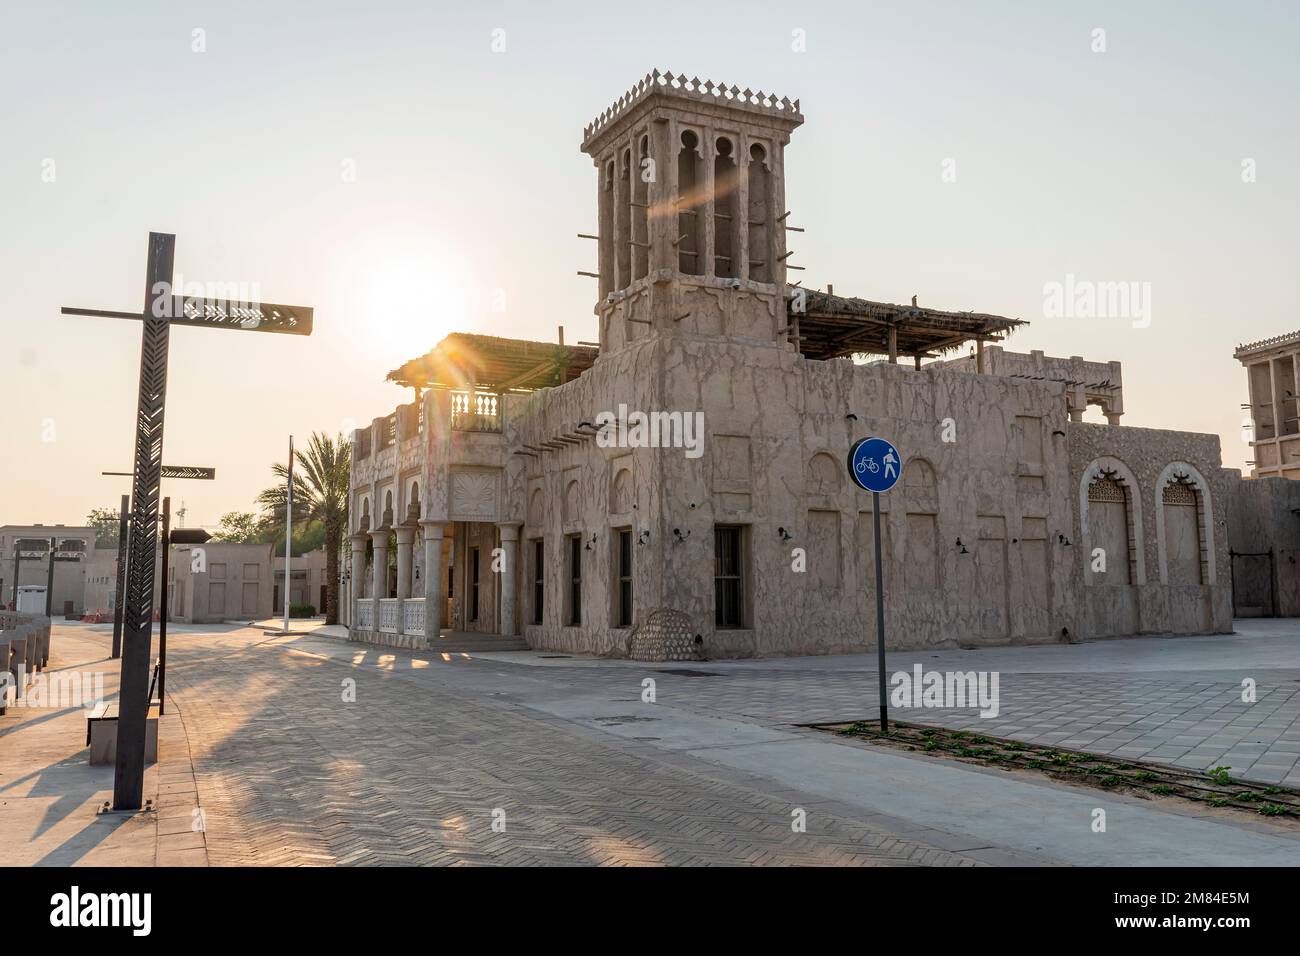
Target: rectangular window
538,578
623,561
575,579
451,582
473,584
728,577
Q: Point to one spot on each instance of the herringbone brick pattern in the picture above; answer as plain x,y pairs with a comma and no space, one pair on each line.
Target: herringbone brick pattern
289,774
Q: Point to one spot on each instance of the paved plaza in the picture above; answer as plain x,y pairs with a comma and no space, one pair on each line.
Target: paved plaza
305,749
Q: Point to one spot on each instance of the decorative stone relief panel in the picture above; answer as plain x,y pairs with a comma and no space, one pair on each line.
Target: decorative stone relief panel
474,495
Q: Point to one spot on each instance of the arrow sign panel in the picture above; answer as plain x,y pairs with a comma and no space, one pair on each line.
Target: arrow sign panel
188,471
245,316
175,471
219,314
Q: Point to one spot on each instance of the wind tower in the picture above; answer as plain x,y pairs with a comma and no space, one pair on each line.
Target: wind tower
692,216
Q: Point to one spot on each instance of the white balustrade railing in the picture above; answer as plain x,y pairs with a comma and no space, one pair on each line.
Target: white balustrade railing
388,616
365,614
413,616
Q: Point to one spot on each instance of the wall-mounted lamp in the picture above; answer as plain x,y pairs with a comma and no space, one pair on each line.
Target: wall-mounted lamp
784,535
681,537
961,548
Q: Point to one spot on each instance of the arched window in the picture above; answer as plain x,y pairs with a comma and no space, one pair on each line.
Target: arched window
725,220
1109,529
640,212
620,501
606,230
823,474
1184,526
624,213
571,503
690,196
1184,543
760,214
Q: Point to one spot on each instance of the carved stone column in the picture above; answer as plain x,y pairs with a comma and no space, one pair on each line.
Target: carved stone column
405,538
379,572
432,578
509,574
357,580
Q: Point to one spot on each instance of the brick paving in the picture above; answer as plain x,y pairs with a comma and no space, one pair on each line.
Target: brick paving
284,772
49,793
289,774
1177,715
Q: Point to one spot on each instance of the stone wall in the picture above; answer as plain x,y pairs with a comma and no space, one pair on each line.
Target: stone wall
1264,533
1155,600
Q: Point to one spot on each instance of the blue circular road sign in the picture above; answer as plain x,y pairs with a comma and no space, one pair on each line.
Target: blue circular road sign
874,464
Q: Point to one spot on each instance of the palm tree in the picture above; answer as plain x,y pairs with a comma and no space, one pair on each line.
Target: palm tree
320,493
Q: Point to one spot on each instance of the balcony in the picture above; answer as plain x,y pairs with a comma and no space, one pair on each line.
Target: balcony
475,412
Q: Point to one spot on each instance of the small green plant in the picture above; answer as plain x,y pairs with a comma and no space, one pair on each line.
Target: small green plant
1111,780
1220,775
1218,801
1249,796
1144,775
1272,809
931,744
1162,789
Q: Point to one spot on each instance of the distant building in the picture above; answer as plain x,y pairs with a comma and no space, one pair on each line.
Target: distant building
309,580
1273,380
73,547
219,581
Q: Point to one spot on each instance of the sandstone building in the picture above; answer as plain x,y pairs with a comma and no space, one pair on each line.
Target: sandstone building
522,493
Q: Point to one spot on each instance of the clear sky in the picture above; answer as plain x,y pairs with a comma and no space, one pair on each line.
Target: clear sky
1122,165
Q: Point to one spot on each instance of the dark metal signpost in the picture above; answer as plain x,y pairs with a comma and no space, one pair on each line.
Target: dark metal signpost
874,465
162,309
168,471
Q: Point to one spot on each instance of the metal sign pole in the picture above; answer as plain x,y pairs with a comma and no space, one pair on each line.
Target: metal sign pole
162,309
119,595
873,465
133,706
163,606
880,616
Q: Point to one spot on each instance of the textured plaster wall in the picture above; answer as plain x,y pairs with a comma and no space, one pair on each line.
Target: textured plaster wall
1262,518
1152,607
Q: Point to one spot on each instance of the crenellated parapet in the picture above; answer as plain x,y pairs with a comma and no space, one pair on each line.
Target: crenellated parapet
700,91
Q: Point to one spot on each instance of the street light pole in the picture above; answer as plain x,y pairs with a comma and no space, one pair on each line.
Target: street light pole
49,585
288,536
